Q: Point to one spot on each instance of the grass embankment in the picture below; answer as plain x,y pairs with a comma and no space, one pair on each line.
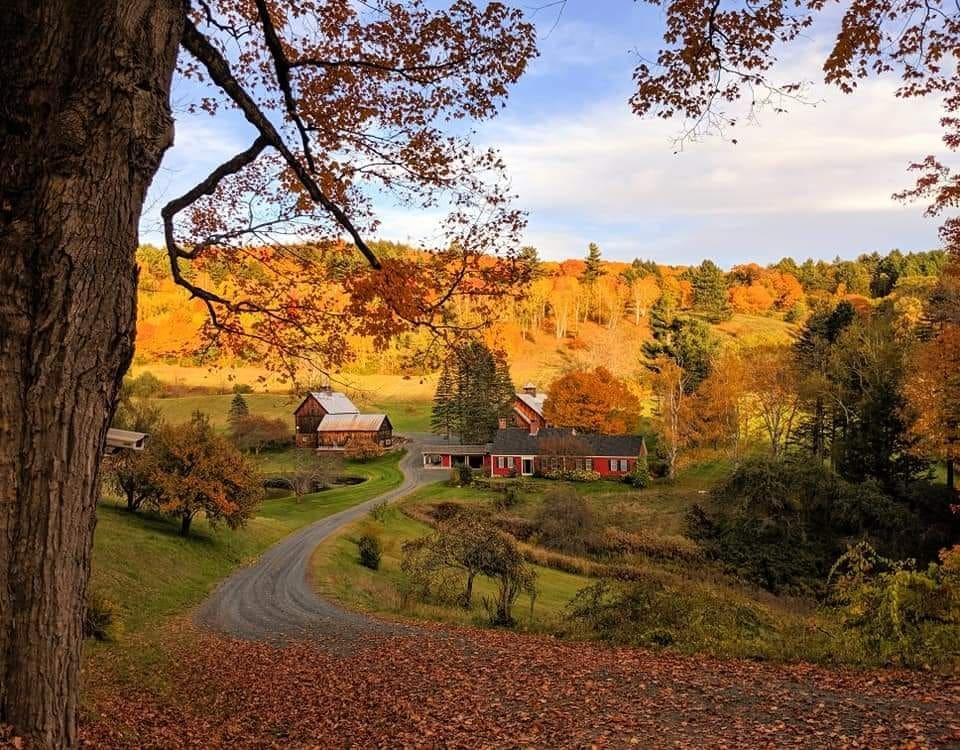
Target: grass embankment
710,611
141,563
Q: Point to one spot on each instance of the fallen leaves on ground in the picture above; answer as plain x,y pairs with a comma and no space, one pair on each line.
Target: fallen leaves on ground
448,687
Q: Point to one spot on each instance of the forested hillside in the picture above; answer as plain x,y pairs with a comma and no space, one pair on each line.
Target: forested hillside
575,313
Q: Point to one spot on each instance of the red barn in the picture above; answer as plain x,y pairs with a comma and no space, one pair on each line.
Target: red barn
528,409
335,431
328,420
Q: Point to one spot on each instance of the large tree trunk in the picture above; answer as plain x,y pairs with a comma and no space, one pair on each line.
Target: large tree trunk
84,121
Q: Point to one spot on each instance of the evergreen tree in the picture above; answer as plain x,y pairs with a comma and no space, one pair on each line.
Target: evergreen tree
238,409
710,290
474,392
593,269
592,272
531,257
442,418
687,341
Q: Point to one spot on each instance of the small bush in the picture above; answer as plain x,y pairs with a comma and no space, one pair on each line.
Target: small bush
640,477
370,551
893,613
379,511
102,619
145,385
646,612
362,449
242,388
797,313
566,522
573,475
461,476
509,497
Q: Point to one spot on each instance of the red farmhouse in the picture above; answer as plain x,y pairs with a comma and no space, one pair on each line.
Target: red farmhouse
518,453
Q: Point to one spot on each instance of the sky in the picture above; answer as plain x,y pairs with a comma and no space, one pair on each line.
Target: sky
813,182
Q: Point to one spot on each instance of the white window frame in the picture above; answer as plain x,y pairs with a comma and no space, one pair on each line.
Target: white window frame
533,467
501,462
612,464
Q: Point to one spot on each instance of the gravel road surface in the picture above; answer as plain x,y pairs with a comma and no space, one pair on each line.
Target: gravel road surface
273,600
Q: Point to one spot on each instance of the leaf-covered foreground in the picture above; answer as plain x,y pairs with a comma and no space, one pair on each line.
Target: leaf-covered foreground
468,688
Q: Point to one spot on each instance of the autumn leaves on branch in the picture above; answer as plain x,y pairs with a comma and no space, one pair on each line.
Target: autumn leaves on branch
360,102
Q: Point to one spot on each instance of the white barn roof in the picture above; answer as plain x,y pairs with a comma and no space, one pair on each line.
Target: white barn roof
351,422
534,402
335,402
125,439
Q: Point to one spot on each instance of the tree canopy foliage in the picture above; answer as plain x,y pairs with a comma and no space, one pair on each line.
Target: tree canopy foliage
592,401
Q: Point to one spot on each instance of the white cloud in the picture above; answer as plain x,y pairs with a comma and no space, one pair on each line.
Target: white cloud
602,172
200,144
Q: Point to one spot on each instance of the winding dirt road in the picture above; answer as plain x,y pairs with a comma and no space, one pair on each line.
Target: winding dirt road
272,600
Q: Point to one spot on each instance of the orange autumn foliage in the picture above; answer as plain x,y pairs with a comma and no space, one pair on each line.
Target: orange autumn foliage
592,401
933,394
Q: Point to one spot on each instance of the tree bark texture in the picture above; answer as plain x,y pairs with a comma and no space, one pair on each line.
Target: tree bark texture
84,122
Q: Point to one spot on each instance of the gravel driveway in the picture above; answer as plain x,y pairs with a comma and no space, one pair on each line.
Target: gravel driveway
272,600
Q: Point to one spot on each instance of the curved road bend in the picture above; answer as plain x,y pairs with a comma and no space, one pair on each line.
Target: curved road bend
272,600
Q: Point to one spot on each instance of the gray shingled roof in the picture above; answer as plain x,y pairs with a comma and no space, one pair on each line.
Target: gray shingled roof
475,450
515,442
335,402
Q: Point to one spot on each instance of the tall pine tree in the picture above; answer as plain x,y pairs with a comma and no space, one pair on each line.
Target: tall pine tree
442,419
592,271
710,291
473,393
238,410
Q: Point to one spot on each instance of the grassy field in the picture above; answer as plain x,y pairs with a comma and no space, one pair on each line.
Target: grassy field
405,415
754,329
781,627
141,564
340,576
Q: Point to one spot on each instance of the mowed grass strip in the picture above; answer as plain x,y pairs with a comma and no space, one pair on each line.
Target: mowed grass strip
143,565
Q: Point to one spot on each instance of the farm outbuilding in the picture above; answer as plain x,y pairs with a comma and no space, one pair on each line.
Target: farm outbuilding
315,406
335,431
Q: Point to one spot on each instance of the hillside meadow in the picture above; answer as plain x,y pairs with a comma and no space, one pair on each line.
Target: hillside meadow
152,576
711,612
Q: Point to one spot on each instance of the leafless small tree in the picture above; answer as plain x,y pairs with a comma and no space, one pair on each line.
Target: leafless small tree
312,471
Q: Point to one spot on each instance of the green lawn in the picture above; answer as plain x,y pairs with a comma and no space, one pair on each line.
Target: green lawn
141,564
406,415
272,405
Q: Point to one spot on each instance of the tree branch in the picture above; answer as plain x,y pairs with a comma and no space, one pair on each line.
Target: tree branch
219,69
282,68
